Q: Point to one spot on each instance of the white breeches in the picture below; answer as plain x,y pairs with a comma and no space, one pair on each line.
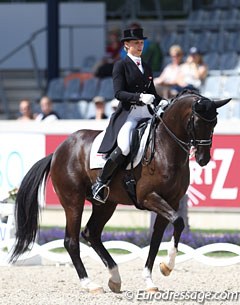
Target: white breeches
125,134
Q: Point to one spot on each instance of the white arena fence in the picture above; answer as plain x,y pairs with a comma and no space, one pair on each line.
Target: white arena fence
42,254
45,254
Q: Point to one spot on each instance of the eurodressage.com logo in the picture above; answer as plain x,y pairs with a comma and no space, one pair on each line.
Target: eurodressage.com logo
199,297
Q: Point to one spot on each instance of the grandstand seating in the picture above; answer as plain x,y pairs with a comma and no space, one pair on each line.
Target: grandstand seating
212,87
106,88
90,89
56,89
214,30
72,91
73,99
231,87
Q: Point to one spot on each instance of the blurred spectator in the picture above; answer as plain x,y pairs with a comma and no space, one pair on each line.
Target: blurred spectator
99,108
104,67
152,53
47,114
192,72
170,74
114,45
25,110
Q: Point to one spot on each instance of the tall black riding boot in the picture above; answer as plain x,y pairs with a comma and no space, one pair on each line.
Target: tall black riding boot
100,188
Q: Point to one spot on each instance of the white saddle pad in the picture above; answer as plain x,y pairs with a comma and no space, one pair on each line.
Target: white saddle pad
98,160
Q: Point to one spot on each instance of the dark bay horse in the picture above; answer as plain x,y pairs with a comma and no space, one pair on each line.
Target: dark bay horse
188,121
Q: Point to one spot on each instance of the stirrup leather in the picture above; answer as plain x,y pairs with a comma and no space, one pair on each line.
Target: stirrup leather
102,188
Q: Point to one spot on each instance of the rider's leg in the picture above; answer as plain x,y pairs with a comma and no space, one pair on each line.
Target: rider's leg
115,160
118,156
125,134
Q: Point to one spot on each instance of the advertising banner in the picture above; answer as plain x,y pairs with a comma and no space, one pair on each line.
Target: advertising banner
214,185
218,183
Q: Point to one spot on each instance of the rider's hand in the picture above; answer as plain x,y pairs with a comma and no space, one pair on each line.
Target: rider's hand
147,99
163,104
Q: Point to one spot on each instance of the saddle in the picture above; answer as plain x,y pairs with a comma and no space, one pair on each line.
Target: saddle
139,141
142,138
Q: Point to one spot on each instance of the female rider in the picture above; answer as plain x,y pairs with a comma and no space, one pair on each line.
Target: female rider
134,88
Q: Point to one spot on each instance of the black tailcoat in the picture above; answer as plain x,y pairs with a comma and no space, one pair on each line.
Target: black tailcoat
128,82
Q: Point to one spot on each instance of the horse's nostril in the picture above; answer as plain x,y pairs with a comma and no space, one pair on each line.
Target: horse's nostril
203,161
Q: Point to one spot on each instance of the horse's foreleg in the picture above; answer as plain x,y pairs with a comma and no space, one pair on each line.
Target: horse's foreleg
158,230
157,204
71,243
167,266
92,234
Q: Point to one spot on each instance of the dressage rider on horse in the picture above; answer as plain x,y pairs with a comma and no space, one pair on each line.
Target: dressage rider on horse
134,88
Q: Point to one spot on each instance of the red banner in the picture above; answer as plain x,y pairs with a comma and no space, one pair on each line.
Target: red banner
52,142
215,185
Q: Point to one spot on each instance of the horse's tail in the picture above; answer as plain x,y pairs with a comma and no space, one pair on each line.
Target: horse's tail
27,206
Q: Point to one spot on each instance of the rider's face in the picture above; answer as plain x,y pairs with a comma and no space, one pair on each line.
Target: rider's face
135,47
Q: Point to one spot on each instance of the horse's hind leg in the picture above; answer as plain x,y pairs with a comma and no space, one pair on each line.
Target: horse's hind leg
92,234
71,243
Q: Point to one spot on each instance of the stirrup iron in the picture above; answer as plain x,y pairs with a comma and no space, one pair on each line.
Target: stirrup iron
98,198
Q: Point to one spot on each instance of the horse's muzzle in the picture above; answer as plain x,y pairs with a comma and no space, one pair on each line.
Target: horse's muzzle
202,158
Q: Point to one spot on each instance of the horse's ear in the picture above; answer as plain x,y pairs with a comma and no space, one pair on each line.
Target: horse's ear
221,103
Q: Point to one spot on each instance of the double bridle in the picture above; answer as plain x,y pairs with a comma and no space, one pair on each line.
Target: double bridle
193,142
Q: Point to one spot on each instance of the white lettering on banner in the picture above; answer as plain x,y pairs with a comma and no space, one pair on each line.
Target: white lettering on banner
14,169
209,172
194,195
18,153
218,191
196,172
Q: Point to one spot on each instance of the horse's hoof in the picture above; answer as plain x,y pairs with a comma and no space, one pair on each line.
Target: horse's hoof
115,287
152,290
165,270
98,290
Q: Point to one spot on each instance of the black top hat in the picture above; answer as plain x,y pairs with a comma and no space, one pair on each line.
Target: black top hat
133,34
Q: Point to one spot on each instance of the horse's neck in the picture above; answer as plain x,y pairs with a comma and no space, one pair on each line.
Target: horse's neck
176,122
173,136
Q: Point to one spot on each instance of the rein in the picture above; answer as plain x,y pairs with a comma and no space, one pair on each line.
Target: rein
150,142
184,145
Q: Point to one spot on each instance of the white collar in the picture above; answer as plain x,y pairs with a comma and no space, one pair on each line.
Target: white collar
135,58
